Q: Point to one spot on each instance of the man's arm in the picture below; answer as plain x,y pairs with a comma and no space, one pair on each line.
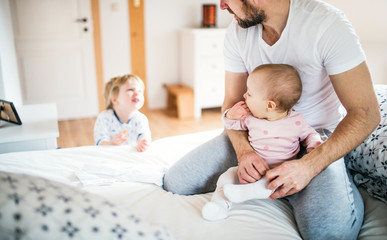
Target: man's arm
251,165
355,91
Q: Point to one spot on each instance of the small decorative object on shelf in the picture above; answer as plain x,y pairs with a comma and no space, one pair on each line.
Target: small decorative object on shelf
209,15
8,112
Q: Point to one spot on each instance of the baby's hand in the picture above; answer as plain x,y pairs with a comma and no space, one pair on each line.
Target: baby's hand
238,112
309,149
143,144
120,138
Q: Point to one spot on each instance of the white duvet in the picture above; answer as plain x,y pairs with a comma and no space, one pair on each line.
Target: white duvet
132,180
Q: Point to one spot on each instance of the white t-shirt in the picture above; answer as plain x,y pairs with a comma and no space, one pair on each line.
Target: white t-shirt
318,41
108,125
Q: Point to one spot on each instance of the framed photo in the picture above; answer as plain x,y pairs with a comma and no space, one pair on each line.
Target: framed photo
8,112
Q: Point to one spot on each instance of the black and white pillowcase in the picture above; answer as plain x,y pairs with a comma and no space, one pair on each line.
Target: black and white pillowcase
368,162
37,208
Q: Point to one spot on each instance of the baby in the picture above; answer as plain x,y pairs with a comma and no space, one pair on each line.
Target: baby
121,122
274,131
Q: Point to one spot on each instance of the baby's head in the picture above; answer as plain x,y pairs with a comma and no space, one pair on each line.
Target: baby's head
126,91
272,87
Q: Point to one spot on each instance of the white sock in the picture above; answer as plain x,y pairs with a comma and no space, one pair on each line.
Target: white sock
242,192
217,210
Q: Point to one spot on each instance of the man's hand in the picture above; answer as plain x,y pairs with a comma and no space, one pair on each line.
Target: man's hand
289,177
238,112
251,167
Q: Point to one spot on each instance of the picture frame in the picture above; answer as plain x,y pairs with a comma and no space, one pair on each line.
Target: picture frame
8,112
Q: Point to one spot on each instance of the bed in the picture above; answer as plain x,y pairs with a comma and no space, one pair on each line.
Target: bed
114,192
154,213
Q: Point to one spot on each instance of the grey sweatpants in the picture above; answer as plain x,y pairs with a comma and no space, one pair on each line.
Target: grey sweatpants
315,207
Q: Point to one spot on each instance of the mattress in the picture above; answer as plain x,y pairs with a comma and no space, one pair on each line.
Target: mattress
132,180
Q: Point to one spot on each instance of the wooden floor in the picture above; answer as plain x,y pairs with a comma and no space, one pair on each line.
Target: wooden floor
163,123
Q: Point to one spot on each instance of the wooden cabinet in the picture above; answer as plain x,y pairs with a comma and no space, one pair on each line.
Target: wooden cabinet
202,66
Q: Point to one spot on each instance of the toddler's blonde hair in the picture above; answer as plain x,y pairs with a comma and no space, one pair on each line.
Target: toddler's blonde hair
112,88
283,84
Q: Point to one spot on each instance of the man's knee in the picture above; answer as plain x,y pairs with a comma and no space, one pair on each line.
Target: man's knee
177,182
334,229
330,207
174,187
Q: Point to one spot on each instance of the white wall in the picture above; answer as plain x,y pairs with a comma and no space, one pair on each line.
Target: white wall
163,19
9,77
114,19
370,22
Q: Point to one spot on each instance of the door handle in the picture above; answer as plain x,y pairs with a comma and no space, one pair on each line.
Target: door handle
81,20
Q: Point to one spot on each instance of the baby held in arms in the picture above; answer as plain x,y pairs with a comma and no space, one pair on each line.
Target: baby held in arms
121,122
275,131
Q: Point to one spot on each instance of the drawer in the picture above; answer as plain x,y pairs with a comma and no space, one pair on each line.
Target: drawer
210,96
209,46
210,91
210,67
210,82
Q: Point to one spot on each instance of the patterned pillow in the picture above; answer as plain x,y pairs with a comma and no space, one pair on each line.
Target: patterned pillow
37,208
368,162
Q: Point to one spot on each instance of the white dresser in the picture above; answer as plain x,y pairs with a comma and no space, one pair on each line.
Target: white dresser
38,131
202,65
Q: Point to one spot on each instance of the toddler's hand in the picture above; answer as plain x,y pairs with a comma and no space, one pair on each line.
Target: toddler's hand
120,138
143,144
238,112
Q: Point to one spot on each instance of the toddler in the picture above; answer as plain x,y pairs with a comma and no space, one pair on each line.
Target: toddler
274,131
121,122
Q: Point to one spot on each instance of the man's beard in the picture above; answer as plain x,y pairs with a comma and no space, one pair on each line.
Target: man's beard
253,16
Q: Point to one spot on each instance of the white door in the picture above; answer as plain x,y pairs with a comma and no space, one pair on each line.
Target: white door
54,46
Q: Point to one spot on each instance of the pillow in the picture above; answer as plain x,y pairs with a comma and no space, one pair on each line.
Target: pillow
368,162
37,208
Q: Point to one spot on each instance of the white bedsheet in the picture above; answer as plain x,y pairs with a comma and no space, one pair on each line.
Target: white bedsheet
139,191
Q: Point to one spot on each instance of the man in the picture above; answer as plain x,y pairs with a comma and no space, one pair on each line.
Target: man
320,43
